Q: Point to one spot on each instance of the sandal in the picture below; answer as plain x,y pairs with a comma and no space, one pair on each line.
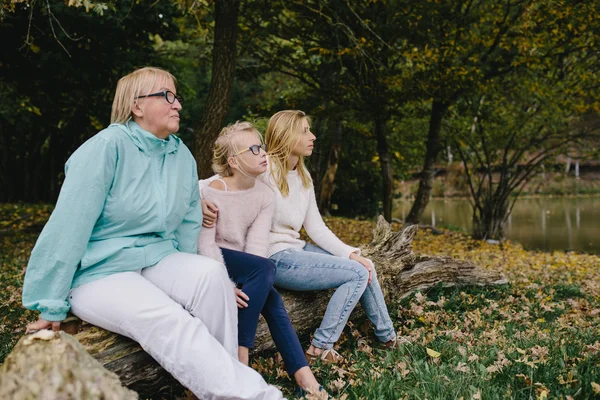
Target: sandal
328,356
312,394
395,342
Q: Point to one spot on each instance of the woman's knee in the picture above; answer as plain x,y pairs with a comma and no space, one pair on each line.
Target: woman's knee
362,274
212,270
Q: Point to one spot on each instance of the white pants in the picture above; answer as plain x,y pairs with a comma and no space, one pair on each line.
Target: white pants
182,311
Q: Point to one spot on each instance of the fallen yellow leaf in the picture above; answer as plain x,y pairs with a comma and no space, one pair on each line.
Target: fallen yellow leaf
433,353
595,387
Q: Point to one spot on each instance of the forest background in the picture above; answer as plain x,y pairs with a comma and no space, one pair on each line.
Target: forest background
488,93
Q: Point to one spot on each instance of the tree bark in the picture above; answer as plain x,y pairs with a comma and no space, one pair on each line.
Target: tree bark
438,109
387,173
221,84
489,222
53,365
329,176
399,270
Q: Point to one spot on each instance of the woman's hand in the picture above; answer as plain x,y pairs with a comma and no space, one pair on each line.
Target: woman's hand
209,214
240,297
368,264
42,324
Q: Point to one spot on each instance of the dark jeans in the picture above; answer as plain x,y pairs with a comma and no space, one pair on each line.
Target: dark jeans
256,275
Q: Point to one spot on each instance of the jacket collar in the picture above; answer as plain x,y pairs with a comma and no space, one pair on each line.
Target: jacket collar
148,142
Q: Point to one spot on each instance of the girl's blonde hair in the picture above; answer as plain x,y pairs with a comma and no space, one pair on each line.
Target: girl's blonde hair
225,146
139,82
281,137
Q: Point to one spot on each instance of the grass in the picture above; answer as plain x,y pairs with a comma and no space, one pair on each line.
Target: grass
535,338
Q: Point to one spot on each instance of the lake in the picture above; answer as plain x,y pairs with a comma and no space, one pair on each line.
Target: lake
544,223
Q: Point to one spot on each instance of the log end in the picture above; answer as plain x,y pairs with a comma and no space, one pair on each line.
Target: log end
54,365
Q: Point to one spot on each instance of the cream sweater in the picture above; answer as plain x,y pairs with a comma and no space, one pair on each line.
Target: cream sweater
243,223
296,210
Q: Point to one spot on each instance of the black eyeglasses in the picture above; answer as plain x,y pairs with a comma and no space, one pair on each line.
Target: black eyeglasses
167,94
255,149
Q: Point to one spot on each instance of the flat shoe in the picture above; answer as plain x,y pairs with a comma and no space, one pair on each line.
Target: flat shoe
395,342
328,356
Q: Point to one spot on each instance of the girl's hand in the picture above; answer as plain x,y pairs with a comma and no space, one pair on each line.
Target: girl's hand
240,297
368,264
209,214
42,324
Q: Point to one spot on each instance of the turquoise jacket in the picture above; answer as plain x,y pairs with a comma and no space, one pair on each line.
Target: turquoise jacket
128,200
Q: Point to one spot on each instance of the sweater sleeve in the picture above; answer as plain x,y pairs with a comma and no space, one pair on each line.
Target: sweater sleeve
321,234
257,238
186,234
89,174
207,245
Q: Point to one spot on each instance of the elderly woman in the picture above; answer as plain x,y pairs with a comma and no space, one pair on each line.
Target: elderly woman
120,247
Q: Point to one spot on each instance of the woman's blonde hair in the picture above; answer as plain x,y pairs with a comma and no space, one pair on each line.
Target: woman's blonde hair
139,82
281,137
225,146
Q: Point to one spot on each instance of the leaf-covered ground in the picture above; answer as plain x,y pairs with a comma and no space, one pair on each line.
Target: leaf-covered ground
536,338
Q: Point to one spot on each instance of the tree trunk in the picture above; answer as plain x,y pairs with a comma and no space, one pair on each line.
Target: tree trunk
438,110
399,271
386,168
329,176
221,84
489,223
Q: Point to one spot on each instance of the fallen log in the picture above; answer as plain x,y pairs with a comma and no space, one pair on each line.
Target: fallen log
53,365
399,270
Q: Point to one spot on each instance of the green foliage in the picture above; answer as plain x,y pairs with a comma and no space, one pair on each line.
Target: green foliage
343,63
60,78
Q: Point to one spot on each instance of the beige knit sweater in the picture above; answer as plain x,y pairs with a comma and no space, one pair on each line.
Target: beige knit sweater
243,223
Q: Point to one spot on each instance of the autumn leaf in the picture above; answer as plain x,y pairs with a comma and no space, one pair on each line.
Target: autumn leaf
433,353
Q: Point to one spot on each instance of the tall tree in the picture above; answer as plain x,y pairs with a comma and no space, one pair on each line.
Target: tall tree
221,85
463,45
347,54
506,133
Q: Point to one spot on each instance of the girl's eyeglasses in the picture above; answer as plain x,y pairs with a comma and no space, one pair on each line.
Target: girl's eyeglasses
255,149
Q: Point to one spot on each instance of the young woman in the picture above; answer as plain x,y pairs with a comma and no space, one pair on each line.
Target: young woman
240,240
120,247
304,267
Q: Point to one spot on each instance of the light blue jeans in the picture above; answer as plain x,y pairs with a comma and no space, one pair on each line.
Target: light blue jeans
312,268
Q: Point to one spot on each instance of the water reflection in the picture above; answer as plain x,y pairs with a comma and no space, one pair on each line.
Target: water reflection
539,223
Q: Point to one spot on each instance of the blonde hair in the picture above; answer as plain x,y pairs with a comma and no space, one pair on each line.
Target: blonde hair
225,146
281,137
139,82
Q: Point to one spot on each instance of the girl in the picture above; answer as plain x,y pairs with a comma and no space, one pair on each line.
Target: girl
240,240
305,267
